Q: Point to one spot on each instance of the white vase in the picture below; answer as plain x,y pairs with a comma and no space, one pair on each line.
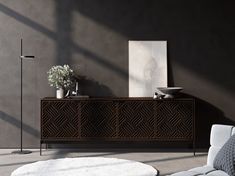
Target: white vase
60,93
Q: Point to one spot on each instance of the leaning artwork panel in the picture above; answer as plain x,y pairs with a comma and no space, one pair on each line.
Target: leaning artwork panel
147,67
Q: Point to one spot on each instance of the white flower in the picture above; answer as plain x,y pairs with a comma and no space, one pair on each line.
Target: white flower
60,76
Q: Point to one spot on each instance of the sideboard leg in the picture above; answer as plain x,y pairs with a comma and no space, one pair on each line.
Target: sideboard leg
40,148
194,147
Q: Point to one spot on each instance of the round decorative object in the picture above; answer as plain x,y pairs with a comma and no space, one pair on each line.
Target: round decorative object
86,166
59,93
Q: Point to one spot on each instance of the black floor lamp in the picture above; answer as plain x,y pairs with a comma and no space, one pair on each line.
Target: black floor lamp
22,57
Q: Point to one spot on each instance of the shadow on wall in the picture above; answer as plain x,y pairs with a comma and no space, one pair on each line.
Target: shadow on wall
133,19
63,31
194,47
65,45
203,51
93,88
206,115
147,21
15,122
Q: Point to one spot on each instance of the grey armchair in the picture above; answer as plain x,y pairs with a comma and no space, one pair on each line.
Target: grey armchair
219,135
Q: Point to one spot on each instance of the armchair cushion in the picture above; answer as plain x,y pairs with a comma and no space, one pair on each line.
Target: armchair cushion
225,158
220,134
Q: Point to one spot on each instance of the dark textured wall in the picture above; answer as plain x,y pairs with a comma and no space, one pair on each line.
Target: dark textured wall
92,37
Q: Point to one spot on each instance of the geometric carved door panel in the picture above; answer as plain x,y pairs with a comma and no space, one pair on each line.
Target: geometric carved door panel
60,119
98,119
174,120
129,119
136,120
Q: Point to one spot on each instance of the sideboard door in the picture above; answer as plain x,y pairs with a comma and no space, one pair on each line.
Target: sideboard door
98,120
60,120
136,120
174,120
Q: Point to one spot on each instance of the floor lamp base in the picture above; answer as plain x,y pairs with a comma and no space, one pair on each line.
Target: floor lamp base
21,152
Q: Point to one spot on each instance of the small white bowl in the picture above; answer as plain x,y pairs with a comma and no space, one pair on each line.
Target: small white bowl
169,90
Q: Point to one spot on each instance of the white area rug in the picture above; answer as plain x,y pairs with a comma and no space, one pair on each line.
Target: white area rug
86,166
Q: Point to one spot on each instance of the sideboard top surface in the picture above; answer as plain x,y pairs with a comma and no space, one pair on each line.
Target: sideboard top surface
115,98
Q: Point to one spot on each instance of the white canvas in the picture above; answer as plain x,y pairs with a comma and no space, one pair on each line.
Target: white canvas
147,67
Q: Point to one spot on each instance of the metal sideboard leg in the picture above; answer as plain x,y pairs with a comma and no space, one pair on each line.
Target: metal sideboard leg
194,143
194,148
40,148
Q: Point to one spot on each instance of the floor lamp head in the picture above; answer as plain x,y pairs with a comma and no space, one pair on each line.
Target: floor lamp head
27,57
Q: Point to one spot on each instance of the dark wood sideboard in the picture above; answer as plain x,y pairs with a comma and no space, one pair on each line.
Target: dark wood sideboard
117,119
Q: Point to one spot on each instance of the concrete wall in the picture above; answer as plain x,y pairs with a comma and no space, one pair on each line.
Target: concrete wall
92,37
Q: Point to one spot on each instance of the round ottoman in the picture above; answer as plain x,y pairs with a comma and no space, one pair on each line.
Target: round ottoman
86,166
